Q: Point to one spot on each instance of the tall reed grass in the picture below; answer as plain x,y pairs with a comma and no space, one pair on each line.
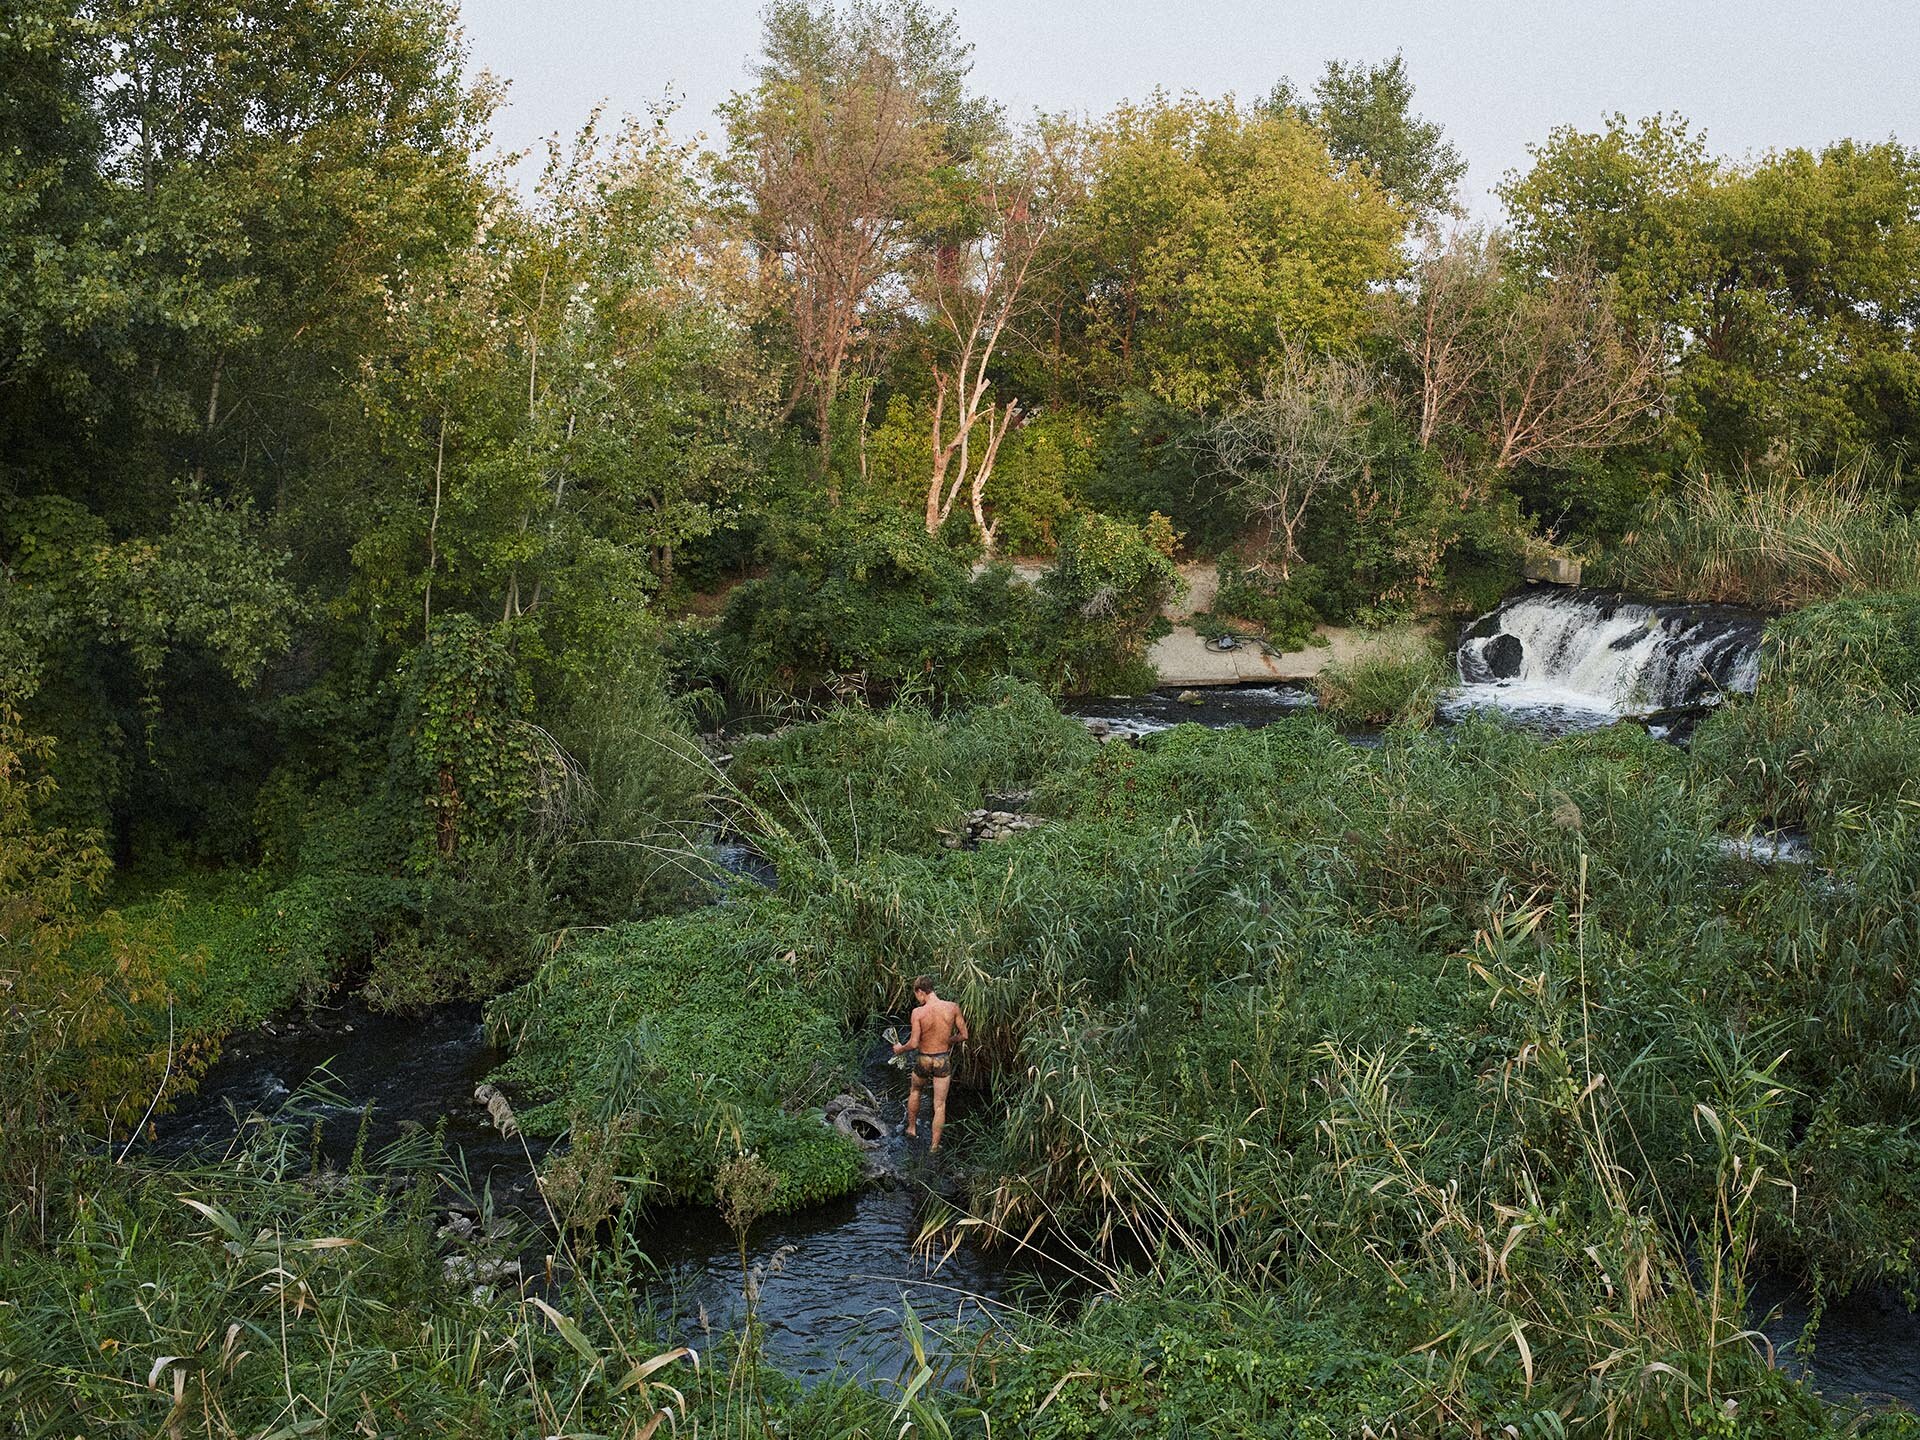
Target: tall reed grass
1395,680
1773,542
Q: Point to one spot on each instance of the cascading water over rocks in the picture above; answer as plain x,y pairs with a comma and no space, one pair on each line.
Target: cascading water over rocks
1589,652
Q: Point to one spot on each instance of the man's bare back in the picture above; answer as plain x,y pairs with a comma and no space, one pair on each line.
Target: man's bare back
934,1026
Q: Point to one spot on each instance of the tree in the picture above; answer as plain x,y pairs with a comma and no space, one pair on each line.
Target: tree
1305,434
1208,233
1365,114
1564,375
830,159
563,408
1785,290
1628,199
1440,324
215,196
974,287
1510,369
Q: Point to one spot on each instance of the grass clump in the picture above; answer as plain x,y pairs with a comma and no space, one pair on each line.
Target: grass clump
261,1296
863,782
666,1047
1834,728
1395,680
1772,542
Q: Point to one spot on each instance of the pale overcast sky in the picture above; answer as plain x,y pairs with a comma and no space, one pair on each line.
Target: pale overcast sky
1498,74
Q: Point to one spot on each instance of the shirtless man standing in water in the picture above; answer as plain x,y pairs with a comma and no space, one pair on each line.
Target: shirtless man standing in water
937,1024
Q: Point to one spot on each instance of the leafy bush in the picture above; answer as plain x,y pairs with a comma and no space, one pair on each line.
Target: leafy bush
867,602
246,950
83,1029
1150,459
1283,610
1044,469
464,751
1103,601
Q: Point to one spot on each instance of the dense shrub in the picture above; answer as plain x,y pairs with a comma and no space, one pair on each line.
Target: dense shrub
1834,727
867,602
667,1047
1043,469
1283,611
865,782
247,949
464,752
1151,459
1102,603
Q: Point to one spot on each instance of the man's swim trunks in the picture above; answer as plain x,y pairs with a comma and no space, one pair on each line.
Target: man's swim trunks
934,1066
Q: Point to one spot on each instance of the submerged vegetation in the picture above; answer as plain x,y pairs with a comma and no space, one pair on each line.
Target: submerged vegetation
409,583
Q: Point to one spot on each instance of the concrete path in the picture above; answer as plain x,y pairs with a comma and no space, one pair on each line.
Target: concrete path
1183,658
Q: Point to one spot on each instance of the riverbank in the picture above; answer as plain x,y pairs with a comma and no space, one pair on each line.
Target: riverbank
1261,1007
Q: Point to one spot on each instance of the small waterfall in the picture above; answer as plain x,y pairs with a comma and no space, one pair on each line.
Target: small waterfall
1587,652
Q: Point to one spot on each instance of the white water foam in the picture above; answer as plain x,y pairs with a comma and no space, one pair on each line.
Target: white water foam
1576,660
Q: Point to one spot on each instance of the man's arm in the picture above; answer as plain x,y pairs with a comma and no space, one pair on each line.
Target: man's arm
913,1036
960,1022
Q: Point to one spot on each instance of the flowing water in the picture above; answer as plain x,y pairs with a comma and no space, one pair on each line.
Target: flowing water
1562,660
1217,707
1554,660
835,1279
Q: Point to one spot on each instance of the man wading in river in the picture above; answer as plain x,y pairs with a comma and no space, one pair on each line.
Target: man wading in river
937,1026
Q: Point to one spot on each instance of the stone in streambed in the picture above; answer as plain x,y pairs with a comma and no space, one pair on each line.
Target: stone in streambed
1503,656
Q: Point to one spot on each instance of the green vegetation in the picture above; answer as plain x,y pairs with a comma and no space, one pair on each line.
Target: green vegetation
865,782
1773,543
389,556
1286,1009
667,1047
1397,680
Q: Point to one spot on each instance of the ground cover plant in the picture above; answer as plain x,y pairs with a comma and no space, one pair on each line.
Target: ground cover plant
1497,1023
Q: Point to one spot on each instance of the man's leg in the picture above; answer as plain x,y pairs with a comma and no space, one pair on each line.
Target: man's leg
939,1109
913,1107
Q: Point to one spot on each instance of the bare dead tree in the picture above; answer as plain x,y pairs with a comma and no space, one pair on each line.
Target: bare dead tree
1304,435
1565,375
1441,325
1533,370
974,290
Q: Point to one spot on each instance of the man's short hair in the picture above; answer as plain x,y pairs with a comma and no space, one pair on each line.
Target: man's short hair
924,985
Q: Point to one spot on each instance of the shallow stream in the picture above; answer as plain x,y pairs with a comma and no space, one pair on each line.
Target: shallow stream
837,1277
